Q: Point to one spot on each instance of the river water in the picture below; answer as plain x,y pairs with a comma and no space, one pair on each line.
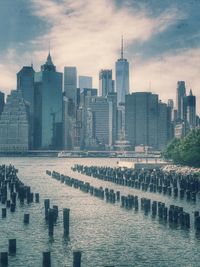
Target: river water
105,233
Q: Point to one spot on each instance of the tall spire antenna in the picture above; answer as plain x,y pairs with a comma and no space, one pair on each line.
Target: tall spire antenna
49,45
122,48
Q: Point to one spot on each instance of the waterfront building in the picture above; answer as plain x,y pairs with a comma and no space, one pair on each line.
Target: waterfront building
180,93
48,107
14,124
122,77
106,84
84,82
141,119
191,110
25,84
2,101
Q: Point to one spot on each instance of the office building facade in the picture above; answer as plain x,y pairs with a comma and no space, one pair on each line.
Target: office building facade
2,101
25,84
84,82
106,84
180,103
14,124
141,119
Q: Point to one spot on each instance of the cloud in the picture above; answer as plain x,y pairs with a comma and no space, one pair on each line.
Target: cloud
160,75
87,33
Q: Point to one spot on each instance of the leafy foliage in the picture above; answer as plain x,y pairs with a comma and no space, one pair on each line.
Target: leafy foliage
185,151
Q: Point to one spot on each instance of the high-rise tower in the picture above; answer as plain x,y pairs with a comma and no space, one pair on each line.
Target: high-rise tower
48,107
191,110
180,105
122,76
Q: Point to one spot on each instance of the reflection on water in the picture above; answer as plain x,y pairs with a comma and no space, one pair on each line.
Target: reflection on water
105,233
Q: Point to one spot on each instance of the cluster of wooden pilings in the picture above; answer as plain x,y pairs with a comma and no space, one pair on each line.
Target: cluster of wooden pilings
13,195
173,214
156,181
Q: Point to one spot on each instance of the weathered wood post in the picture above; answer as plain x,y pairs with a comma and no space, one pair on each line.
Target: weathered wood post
12,246
4,259
46,207
77,259
46,259
66,221
51,221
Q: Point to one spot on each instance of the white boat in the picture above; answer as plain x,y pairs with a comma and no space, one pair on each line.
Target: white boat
64,154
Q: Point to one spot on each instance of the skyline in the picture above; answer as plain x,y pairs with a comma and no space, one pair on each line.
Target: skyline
162,47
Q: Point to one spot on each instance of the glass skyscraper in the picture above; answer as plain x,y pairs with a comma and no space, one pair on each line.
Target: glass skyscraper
69,107
122,77
48,107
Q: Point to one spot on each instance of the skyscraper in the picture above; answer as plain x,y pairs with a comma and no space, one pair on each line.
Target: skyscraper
25,84
122,77
14,124
191,110
70,83
48,107
180,93
84,82
2,102
141,119
69,107
106,84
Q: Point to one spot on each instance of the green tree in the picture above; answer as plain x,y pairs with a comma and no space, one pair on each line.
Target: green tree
185,151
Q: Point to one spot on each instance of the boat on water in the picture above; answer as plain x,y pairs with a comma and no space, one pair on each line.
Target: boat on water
65,154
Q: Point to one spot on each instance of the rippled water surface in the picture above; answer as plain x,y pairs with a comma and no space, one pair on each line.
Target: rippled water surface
105,233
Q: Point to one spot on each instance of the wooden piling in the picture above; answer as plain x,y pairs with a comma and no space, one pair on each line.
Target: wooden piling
4,259
66,221
77,259
12,246
26,218
46,259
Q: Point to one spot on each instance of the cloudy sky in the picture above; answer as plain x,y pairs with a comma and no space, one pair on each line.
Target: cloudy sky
162,40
